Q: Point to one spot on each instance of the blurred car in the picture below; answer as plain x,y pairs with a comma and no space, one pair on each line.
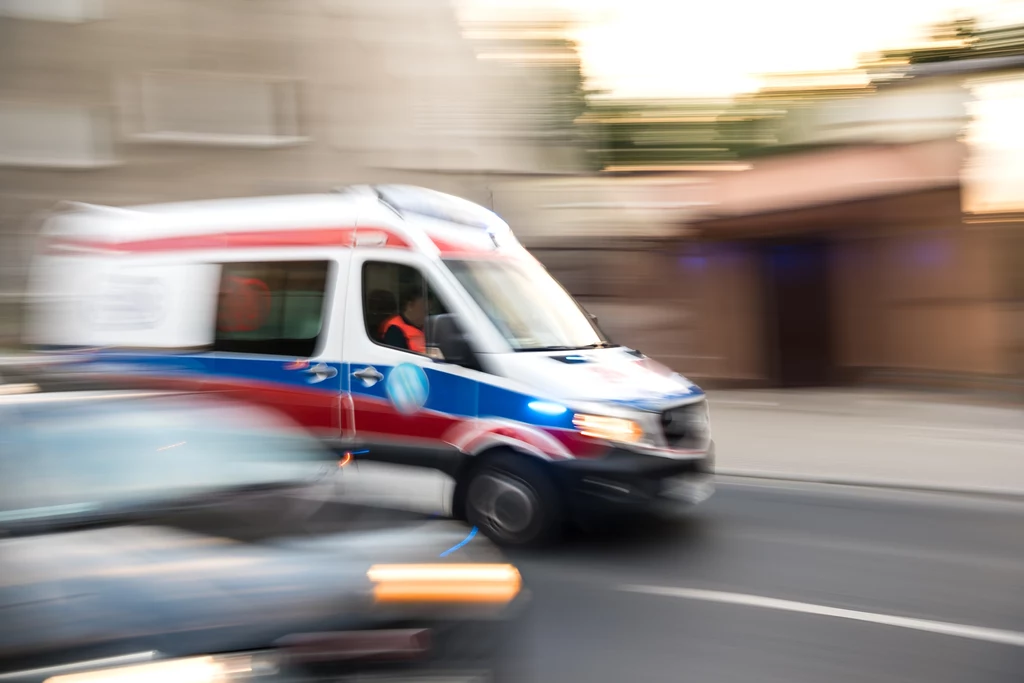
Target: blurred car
150,535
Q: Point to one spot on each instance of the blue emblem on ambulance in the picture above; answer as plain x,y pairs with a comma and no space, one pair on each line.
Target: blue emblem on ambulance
408,388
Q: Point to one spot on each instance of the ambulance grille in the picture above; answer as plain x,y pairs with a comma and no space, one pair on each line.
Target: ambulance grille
686,427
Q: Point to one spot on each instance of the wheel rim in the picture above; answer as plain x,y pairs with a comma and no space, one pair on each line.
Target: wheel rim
503,504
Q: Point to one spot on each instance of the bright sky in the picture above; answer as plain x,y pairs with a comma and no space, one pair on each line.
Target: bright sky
712,48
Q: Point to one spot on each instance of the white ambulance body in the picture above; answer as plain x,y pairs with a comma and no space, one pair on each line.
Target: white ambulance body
297,302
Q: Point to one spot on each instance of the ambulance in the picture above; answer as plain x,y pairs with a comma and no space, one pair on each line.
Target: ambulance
399,324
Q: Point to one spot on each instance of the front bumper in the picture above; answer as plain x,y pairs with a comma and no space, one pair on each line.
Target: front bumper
453,651
628,480
472,651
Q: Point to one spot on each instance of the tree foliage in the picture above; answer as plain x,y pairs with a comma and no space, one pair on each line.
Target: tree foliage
962,38
672,133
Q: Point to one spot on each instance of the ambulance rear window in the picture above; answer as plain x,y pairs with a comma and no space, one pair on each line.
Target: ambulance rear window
271,308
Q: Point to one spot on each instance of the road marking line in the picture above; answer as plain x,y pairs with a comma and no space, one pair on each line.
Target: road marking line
992,635
988,435
959,496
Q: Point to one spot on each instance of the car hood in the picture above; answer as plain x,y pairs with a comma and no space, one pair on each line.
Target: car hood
617,375
155,588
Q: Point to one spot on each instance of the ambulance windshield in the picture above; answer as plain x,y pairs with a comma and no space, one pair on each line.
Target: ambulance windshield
527,305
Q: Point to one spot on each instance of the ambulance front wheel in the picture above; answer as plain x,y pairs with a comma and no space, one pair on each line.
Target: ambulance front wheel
512,500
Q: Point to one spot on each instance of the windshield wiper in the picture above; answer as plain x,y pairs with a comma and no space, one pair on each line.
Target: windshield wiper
533,349
597,345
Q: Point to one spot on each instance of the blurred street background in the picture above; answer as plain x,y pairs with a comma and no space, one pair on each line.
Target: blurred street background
759,197
815,211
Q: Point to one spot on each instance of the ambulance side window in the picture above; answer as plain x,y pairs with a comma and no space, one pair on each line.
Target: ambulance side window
275,309
397,300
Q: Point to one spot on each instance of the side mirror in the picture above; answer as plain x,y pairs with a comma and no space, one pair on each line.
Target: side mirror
443,333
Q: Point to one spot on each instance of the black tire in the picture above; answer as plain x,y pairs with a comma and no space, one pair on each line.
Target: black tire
512,499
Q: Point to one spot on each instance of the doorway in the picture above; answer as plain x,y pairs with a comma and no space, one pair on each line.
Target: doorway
796,295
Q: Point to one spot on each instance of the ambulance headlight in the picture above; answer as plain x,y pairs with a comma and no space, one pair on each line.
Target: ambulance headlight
616,429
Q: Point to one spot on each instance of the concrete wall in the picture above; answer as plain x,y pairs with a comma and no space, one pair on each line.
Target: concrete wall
933,301
917,294
136,101
935,109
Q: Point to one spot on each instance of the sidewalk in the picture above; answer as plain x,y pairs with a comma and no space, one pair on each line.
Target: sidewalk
861,437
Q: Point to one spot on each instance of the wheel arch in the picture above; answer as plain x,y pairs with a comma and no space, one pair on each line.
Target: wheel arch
480,458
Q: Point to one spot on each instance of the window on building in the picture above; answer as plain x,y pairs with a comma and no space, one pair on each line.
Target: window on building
272,308
397,300
202,108
55,135
64,11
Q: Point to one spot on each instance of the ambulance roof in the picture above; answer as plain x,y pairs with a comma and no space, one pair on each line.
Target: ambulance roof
387,215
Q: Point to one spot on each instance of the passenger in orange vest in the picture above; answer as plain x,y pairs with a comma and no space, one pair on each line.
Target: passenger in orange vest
405,331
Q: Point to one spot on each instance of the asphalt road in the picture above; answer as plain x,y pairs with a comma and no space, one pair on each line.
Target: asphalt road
787,583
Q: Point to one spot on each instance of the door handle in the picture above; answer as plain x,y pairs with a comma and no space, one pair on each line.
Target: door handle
320,372
369,375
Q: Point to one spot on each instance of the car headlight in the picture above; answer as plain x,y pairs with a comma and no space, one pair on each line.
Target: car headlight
208,669
442,582
608,428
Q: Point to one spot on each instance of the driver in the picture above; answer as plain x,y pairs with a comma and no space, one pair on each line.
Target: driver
405,330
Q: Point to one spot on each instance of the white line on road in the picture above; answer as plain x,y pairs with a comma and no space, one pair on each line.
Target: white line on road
991,635
960,495
993,434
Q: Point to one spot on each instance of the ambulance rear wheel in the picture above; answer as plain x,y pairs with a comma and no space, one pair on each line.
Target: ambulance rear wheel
512,501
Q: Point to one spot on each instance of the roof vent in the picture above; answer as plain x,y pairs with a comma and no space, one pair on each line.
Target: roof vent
406,199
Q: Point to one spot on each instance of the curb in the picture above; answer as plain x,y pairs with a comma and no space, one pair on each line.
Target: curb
981,491
1005,399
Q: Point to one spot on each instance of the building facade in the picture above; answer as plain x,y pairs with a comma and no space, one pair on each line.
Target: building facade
848,256
133,101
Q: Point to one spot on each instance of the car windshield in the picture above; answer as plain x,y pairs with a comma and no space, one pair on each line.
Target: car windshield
527,305
62,457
